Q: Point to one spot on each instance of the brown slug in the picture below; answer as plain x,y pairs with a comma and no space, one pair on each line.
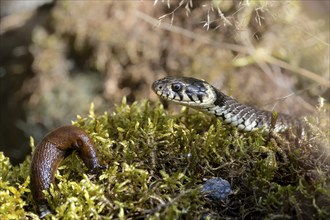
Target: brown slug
49,153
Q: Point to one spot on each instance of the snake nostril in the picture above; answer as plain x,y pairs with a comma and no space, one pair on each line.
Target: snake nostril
156,87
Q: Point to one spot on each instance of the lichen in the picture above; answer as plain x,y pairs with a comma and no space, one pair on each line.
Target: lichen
157,162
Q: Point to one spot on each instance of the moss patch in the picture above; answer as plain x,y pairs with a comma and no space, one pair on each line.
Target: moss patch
157,162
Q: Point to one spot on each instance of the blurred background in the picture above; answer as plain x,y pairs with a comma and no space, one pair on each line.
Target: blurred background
58,57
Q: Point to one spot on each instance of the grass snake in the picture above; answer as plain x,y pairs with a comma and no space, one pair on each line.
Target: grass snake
204,97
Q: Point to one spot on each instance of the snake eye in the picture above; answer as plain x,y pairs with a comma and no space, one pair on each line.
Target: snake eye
176,87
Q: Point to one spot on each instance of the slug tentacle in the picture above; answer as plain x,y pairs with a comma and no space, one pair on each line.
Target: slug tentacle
49,153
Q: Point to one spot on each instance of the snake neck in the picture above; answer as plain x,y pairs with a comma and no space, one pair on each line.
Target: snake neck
248,118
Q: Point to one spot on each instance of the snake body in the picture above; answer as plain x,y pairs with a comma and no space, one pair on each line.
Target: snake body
204,97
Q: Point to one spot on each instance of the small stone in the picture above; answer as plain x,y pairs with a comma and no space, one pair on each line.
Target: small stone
216,188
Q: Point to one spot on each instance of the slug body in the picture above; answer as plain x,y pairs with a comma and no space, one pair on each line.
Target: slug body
49,153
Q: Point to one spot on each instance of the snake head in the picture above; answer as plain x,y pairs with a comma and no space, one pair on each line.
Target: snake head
185,91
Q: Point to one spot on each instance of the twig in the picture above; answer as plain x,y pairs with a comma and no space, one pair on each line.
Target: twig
189,34
296,69
234,47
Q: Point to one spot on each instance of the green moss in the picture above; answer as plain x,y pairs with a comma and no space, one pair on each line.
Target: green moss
14,189
157,162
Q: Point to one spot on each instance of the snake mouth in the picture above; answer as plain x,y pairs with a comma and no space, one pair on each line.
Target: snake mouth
162,89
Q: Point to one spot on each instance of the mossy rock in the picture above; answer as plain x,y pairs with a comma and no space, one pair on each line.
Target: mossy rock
157,161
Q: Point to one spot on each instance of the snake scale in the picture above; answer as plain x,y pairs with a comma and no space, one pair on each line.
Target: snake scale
204,97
